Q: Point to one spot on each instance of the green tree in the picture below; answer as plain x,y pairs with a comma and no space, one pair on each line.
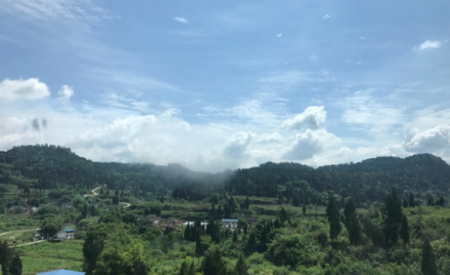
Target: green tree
184,269
404,230
93,245
352,223
235,237
16,266
115,200
333,218
198,247
49,227
412,203
428,260
213,263
304,210
241,267
392,211
192,268
188,233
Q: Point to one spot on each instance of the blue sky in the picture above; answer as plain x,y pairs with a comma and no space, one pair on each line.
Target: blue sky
217,85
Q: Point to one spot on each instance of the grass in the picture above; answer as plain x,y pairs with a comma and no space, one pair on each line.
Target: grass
49,256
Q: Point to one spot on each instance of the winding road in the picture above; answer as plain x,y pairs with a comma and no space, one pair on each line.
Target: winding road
94,193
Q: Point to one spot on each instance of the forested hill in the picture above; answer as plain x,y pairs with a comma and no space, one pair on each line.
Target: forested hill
51,167
424,175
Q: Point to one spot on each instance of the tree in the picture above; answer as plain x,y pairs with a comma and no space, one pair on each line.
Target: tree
188,233
93,245
184,269
352,223
16,266
235,237
49,227
392,211
9,260
412,203
430,201
247,203
333,218
428,260
198,247
115,200
192,268
304,210
440,202
296,201
241,266
404,230
213,263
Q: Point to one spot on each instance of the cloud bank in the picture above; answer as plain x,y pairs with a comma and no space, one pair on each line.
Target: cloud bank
30,89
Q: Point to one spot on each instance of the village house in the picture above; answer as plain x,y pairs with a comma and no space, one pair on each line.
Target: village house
251,220
230,223
173,224
66,234
204,224
152,219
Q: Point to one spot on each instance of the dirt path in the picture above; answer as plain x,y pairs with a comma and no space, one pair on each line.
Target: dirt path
23,230
94,192
40,241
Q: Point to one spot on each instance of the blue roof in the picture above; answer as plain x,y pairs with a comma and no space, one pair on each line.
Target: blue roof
229,220
68,230
62,272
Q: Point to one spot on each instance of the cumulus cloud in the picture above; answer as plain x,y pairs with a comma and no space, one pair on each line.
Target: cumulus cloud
65,93
237,144
430,44
29,89
310,143
181,20
312,118
432,140
326,16
279,35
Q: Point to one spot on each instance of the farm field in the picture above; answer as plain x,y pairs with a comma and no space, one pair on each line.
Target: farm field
48,256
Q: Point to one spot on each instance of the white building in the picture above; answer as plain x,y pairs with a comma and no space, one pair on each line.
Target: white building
230,223
204,224
66,234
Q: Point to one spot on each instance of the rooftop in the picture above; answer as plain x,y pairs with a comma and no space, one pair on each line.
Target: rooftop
62,272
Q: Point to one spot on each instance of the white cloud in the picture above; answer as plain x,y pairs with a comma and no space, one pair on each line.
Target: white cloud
237,145
63,11
310,143
312,118
294,77
432,140
326,16
430,44
29,89
181,20
279,35
65,93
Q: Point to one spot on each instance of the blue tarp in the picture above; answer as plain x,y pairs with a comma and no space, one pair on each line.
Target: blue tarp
62,272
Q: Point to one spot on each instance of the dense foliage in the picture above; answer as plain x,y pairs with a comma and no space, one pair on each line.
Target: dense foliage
425,176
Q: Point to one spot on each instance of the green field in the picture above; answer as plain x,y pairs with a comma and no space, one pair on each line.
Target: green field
48,256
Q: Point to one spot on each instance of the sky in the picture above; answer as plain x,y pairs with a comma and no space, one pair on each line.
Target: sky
215,85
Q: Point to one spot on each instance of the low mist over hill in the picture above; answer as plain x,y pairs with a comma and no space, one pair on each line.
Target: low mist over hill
50,167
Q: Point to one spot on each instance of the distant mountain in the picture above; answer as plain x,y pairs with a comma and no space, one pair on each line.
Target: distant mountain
366,181
50,167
